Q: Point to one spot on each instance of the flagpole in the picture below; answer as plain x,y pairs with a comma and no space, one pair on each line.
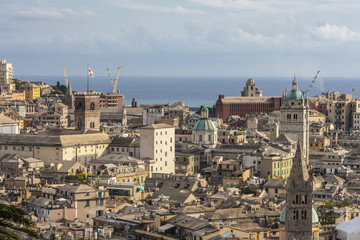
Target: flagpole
88,78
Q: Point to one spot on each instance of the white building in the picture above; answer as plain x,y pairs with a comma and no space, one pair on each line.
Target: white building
7,125
152,115
157,142
6,76
356,120
349,230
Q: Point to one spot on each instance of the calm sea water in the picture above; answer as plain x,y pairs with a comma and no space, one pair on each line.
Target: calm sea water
196,91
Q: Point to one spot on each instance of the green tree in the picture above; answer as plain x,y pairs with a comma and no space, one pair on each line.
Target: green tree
14,222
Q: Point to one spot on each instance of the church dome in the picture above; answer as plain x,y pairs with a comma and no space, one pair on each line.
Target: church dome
294,94
314,216
250,82
204,125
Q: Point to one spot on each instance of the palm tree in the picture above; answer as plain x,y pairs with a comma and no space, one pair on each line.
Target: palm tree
15,221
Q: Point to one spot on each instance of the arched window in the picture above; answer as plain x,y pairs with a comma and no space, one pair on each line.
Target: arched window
79,106
92,106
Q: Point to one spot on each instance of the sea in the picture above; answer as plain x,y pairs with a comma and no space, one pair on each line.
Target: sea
197,91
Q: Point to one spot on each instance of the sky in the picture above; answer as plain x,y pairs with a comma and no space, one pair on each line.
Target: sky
182,37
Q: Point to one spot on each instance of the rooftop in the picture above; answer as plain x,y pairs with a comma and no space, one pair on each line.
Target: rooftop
157,126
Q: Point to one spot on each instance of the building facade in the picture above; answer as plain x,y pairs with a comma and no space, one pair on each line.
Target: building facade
153,114
32,91
111,100
294,117
6,76
74,147
241,106
157,143
87,111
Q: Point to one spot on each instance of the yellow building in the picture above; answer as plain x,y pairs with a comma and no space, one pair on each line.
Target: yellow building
276,163
318,142
315,116
21,124
32,91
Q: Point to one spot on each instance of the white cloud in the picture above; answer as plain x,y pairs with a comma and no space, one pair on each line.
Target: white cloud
262,6
156,8
334,32
50,13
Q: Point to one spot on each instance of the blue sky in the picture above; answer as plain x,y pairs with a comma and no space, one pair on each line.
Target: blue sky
182,37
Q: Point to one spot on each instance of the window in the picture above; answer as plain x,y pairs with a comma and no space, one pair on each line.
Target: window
303,214
87,203
295,214
92,106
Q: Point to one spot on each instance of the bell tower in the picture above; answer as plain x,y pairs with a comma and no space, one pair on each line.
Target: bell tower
294,118
87,111
299,187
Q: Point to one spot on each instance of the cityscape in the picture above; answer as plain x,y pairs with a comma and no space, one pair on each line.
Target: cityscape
190,120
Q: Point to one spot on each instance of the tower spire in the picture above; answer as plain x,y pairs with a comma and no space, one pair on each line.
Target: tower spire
69,90
299,167
294,84
299,187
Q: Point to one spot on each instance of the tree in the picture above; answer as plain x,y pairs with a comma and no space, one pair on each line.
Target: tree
15,222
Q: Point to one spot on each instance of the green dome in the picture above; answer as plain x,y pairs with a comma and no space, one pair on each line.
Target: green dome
294,94
204,125
314,216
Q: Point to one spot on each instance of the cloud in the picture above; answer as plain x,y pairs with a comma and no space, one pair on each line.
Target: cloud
156,8
334,32
264,6
49,13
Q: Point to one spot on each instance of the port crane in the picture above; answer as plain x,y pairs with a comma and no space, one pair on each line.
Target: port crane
66,77
114,83
312,84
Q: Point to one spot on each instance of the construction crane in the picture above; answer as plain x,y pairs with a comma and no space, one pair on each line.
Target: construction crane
312,84
66,78
114,84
